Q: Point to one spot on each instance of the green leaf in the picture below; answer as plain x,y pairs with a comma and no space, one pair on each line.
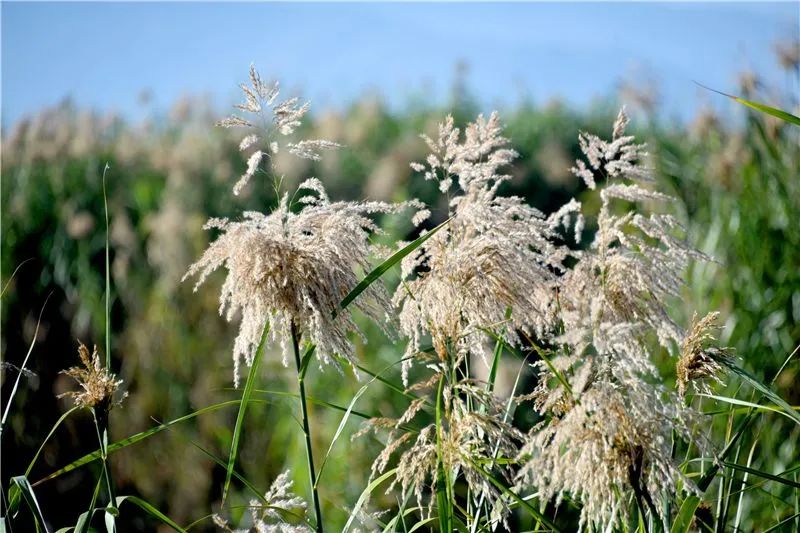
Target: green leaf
774,111
386,265
513,495
763,474
364,495
108,275
306,360
754,406
248,391
315,401
264,502
30,498
685,515
443,494
763,389
97,454
149,509
341,428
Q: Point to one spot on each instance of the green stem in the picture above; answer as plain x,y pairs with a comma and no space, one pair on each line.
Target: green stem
306,430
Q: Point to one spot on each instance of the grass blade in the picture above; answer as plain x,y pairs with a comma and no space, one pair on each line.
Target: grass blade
22,368
685,516
381,269
341,428
365,495
774,111
248,391
149,509
30,498
513,495
108,275
762,474
763,389
97,454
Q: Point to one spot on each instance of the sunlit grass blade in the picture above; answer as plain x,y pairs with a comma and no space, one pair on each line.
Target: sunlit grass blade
306,359
316,401
22,367
108,275
763,389
13,275
783,523
774,111
133,439
149,509
381,269
365,495
246,393
258,494
743,403
47,438
543,520
685,516
443,494
339,429
85,519
30,498
761,473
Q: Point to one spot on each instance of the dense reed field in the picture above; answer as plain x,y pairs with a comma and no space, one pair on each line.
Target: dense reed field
401,320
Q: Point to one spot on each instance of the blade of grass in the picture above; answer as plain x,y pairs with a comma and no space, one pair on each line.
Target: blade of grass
264,502
108,276
13,275
133,439
24,364
763,389
340,429
15,495
365,495
30,498
761,473
685,516
386,265
443,499
149,509
774,111
513,495
248,391
782,523
316,401
306,428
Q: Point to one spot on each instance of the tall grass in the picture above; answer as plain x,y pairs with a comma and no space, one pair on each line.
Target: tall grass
745,474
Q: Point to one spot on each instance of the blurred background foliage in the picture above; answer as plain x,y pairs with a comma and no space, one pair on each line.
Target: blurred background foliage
737,183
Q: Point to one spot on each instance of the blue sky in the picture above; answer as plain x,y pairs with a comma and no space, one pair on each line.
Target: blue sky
104,54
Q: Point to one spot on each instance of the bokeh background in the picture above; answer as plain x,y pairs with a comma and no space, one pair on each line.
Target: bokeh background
139,86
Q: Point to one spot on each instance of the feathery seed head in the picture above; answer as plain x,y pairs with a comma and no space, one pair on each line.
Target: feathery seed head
699,359
278,120
289,268
98,384
495,254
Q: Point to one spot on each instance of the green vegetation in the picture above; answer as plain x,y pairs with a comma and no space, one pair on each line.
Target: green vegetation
167,453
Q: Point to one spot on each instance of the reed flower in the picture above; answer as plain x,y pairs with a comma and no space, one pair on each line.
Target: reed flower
270,514
473,431
699,358
612,447
496,253
293,268
98,384
608,439
269,125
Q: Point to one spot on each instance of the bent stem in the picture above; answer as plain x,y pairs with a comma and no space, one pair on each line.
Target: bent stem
309,454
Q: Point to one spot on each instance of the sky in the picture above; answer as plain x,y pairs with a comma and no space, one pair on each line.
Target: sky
103,55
